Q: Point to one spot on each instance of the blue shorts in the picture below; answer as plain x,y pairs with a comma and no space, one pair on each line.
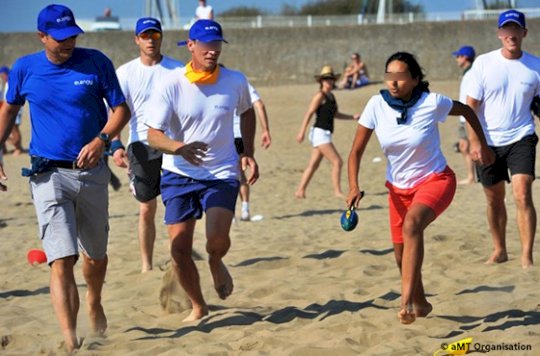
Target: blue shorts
187,198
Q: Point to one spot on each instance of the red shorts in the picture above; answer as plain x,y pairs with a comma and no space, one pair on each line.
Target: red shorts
436,192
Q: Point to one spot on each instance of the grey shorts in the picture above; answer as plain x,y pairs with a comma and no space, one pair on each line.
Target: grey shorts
72,207
145,171
462,131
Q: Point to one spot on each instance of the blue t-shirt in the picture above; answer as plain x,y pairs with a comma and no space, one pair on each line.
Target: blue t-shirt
67,107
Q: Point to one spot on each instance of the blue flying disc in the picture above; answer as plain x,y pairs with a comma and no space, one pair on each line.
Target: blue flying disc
349,219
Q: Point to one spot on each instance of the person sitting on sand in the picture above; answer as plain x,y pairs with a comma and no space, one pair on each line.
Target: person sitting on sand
324,106
355,74
421,185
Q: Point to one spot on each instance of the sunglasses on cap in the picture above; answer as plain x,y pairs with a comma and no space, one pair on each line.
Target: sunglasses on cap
150,35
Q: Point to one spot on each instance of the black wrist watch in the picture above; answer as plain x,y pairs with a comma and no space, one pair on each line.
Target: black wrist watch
104,137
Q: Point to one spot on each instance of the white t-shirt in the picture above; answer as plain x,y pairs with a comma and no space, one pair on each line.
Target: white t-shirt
506,88
137,80
254,98
204,12
412,149
189,112
463,91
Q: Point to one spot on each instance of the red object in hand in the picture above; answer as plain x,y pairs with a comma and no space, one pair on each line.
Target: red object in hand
36,256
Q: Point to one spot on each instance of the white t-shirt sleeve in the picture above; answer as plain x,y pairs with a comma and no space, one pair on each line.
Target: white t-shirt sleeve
368,117
244,99
474,87
444,105
253,94
122,79
159,108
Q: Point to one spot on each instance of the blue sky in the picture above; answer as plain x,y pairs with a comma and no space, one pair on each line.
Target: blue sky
20,15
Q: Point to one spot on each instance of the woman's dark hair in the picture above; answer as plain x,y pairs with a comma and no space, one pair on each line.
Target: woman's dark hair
414,68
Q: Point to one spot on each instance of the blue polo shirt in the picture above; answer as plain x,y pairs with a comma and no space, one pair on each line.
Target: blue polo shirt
67,107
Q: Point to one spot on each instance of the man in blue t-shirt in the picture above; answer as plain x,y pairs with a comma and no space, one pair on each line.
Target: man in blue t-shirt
66,88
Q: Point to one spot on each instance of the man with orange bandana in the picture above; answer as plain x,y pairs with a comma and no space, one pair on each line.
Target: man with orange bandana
190,118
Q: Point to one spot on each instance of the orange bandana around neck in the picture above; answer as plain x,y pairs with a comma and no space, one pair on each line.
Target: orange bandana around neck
201,77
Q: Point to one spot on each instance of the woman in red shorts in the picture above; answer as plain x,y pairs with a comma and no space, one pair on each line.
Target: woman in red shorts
421,185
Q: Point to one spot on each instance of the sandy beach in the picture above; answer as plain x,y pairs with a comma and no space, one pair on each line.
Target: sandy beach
303,286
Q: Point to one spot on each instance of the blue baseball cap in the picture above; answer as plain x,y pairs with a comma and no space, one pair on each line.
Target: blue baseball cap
4,69
147,23
205,31
512,16
467,51
58,21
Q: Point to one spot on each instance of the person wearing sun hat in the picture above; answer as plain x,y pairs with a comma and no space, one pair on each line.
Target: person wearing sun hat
67,88
325,109
190,119
501,89
138,79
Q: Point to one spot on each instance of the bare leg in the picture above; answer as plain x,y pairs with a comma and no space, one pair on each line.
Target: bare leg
469,164
244,197
65,299
15,140
313,165
526,216
94,273
218,226
421,306
330,153
417,219
147,233
496,214
181,236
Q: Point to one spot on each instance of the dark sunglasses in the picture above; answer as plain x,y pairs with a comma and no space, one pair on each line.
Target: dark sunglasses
150,35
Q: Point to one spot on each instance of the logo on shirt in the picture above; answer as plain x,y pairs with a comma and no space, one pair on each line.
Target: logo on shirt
221,107
84,82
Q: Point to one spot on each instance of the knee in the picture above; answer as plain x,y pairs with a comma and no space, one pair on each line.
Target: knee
218,245
314,166
180,251
338,163
411,230
147,214
523,199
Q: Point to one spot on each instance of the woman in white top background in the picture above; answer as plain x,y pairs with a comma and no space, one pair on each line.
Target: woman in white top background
421,185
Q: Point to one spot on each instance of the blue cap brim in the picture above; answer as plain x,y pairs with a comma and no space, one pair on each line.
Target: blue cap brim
511,20
64,33
182,43
154,28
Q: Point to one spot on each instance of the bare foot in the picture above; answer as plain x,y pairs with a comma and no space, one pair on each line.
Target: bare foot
339,195
497,257
98,320
406,316
223,282
422,310
466,181
300,194
526,262
71,343
196,314
145,269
